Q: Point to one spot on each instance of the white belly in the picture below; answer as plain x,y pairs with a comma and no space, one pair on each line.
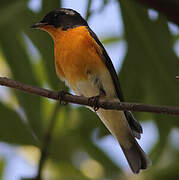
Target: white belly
89,88
114,120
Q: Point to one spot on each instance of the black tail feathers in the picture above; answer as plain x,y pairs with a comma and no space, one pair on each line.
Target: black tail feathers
136,157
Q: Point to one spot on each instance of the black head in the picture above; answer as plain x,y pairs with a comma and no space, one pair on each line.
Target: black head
65,18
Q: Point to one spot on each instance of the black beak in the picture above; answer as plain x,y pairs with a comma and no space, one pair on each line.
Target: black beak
38,25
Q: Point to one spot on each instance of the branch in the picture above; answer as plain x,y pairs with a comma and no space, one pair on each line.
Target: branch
46,143
105,104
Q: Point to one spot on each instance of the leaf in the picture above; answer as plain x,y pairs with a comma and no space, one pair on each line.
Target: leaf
67,171
13,7
149,69
111,169
22,70
49,6
77,138
45,49
1,168
13,129
110,40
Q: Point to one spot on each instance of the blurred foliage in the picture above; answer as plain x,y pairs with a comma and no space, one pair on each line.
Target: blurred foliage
156,66
1,168
147,76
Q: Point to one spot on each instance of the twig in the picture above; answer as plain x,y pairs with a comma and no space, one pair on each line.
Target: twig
47,142
105,104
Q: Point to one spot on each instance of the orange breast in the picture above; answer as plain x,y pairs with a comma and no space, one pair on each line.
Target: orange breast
76,53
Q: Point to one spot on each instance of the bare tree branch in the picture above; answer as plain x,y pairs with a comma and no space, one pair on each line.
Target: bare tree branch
103,103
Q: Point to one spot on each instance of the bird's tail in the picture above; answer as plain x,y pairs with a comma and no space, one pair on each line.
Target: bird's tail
118,125
136,157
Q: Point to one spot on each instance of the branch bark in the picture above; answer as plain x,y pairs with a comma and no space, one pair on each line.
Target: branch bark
105,104
169,8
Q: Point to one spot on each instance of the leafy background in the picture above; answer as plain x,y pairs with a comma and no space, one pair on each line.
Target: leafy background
147,75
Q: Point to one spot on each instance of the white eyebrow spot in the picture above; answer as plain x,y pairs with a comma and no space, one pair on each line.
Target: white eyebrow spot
69,12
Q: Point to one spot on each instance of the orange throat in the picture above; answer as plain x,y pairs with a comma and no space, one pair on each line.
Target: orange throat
76,53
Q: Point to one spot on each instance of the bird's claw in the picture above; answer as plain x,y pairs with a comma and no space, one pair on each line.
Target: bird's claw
60,96
94,102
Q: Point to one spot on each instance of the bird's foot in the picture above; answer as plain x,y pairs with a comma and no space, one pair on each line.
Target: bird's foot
61,95
94,102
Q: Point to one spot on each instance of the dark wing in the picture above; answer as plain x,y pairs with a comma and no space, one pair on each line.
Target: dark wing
109,65
134,124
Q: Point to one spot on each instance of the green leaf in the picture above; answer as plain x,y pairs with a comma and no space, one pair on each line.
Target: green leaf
45,49
14,7
1,168
109,166
22,70
110,40
49,6
149,69
72,138
67,171
13,129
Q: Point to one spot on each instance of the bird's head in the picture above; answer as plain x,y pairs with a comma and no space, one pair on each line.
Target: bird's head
61,18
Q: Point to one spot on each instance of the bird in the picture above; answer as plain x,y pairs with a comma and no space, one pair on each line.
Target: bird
83,63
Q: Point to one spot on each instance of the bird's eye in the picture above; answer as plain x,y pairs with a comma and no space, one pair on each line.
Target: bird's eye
55,16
